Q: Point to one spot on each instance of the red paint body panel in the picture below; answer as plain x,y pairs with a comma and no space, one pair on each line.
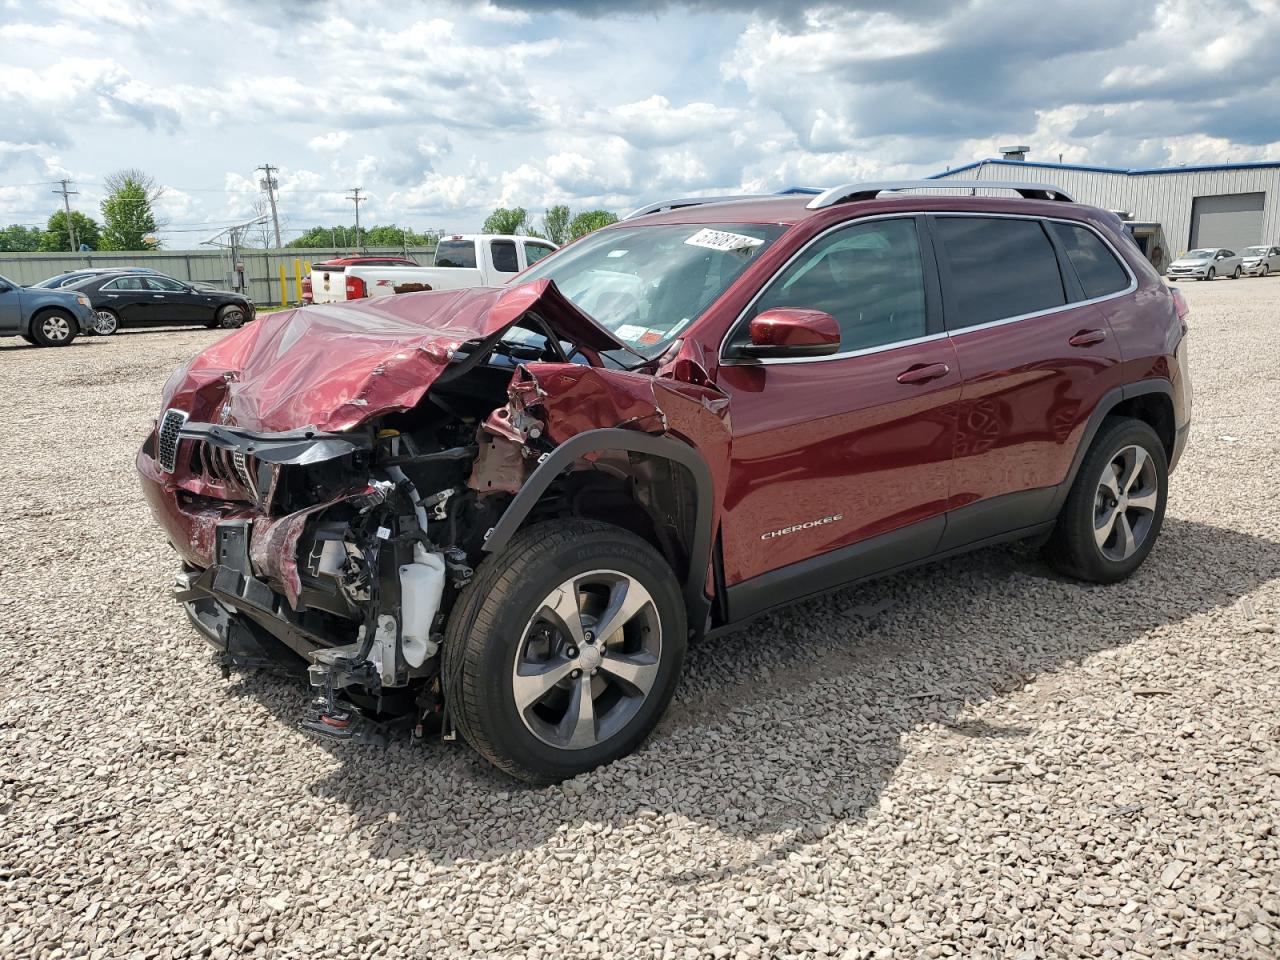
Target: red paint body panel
1026,399
334,366
837,436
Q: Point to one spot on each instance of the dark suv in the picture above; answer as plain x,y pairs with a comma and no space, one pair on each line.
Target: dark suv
505,511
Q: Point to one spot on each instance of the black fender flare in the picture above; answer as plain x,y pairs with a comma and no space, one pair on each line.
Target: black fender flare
616,439
1110,400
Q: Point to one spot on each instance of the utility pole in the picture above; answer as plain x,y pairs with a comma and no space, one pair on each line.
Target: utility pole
355,196
269,184
67,194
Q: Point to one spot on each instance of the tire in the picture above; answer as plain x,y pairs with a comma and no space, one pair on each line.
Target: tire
229,318
107,322
503,641
1266,268
1107,557
1211,274
1236,275
29,338
53,328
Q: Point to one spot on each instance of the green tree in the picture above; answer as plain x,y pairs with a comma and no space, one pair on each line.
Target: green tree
555,224
590,220
128,213
19,239
509,221
379,235
57,238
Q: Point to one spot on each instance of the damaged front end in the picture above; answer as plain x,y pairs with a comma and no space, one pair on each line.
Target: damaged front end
343,544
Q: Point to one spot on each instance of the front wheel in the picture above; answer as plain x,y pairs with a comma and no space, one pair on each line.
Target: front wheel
229,318
53,329
105,322
565,650
1114,511
1211,274
1236,275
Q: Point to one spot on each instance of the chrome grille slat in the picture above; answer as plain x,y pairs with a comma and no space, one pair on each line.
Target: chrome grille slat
168,439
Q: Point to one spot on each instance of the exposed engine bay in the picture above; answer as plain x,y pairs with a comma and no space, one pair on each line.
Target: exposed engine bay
349,547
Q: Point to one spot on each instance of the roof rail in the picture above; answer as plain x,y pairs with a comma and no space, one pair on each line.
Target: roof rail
852,192
691,202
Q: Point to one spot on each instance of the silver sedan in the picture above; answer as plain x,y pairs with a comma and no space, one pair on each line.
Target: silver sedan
1260,261
1207,264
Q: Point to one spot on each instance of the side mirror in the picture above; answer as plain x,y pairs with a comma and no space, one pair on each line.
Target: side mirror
792,332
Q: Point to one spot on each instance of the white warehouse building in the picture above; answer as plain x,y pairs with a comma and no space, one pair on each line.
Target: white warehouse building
1172,209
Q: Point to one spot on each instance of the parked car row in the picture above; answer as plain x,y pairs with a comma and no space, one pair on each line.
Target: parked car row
1209,263
98,301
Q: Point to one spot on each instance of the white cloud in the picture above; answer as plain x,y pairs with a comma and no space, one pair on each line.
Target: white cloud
441,116
330,142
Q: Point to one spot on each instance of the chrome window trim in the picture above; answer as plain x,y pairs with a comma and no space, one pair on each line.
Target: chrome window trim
898,215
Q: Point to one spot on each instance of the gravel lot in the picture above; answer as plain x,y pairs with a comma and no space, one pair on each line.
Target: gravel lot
976,759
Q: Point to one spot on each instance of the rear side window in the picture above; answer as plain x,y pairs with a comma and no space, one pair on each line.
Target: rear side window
1096,266
1000,268
534,252
456,253
504,256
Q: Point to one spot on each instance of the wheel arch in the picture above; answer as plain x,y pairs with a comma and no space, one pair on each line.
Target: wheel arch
44,310
694,483
1150,401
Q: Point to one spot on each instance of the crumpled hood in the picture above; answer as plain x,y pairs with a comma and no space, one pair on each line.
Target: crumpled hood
333,366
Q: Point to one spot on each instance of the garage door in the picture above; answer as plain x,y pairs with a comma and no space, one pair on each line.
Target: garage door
1231,220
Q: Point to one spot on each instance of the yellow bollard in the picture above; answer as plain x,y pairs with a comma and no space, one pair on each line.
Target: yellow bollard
297,277
284,289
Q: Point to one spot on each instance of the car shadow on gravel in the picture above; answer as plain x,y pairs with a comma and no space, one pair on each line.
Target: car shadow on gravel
796,722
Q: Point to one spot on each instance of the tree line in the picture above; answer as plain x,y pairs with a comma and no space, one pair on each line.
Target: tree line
128,221
559,224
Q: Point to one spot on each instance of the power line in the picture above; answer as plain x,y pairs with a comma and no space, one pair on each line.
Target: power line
66,203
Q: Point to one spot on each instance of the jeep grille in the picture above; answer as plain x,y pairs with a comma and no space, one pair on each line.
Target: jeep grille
170,424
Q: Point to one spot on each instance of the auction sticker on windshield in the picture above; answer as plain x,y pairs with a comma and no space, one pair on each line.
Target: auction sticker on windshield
722,240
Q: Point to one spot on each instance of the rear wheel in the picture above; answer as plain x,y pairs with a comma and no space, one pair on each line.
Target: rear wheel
53,328
1114,511
565,650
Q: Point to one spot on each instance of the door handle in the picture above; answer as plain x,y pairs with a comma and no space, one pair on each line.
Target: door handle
1087,338
157,296
923,373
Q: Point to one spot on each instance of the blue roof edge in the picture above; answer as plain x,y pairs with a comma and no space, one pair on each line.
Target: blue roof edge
1123,171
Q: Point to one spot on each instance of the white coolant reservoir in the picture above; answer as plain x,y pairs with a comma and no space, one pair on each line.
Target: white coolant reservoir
421,587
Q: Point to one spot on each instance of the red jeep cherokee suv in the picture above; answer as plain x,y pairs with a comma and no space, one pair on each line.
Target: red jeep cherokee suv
507,510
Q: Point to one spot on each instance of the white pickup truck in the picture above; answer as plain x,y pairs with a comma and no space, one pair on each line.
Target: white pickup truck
475,260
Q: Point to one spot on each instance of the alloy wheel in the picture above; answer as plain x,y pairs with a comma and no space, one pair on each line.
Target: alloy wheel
587,660
232,319
55,328
105,323
1125,503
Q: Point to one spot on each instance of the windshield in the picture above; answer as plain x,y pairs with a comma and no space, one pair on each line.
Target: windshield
1254,251
1198,254
647,284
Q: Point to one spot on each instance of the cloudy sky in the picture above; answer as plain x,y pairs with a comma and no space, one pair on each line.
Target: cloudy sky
442,111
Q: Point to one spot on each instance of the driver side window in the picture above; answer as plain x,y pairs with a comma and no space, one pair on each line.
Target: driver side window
869,276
